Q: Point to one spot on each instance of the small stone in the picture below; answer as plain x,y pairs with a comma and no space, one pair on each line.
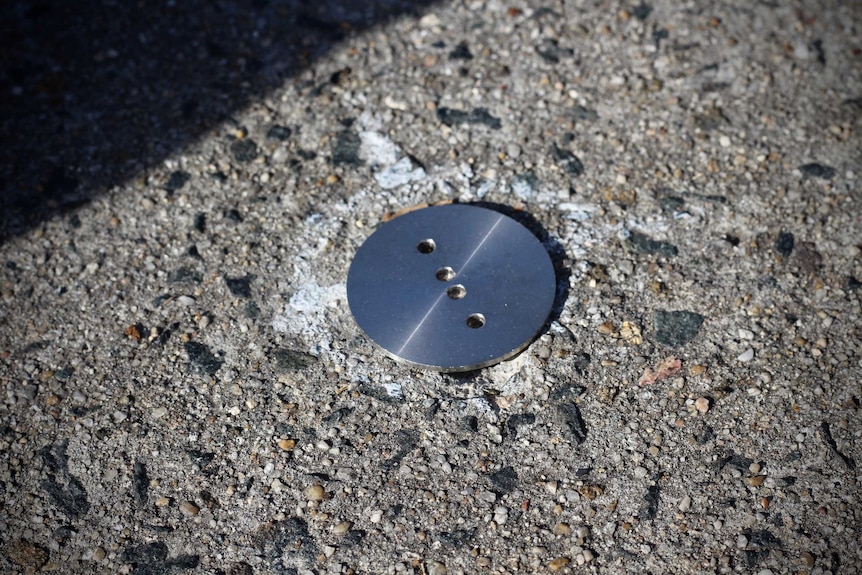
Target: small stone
176,181
815,170
429,20
501,515
99,554
606,328
201,359
756,480
685,504
189,509
697,369
163,502
631,333
559,564
644,244
342,528
314,492
461,52
345,149
807,558
244,151
702,404
395,104
562,529
784,243
159,412
133,332
292,360
582,533
676,328
287,444
640,472
754,468
279,133
186,300
664,369
642,11
741,542
239,287
746,355
435,568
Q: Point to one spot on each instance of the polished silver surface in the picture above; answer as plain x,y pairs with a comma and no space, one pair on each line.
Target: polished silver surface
451,288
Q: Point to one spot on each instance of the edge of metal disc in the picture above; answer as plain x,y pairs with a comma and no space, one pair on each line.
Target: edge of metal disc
456,369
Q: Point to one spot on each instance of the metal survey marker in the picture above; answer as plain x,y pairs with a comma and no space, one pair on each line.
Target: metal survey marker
451,288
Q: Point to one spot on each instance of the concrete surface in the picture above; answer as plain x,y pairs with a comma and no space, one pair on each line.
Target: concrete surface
185,389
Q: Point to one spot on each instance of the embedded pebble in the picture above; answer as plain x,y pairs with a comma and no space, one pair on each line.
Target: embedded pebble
189,509
185,300
342,528
756,480
314,492
685,504
558,564
747,355
702,404
287,444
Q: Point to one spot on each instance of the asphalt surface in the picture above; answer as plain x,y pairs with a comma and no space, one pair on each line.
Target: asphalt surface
184,188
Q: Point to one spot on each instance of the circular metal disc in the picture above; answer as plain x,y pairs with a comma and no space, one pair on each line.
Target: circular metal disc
451,288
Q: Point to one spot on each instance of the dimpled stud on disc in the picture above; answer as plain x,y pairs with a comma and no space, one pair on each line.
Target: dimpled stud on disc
451,288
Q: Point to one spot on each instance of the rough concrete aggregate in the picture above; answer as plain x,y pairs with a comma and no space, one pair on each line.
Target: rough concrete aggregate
184,389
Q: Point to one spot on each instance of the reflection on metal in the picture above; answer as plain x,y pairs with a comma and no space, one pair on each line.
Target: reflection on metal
451,288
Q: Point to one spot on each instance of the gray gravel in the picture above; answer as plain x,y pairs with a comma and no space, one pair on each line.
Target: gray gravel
185,390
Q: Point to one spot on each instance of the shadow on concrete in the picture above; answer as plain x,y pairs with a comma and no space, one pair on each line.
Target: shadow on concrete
92,92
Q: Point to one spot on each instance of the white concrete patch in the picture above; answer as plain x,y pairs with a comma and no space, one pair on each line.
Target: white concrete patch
377,149
394,390
398,174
